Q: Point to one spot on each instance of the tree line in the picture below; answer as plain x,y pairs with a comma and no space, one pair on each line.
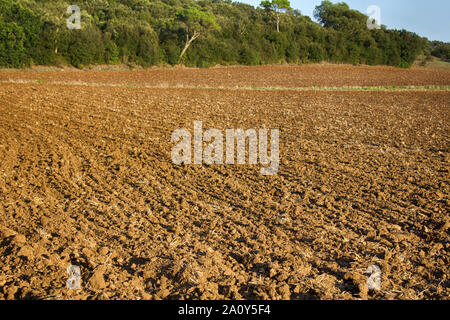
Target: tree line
440,49
198,33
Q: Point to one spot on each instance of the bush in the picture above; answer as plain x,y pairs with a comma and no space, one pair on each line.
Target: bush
111,54
315,53
84,47
248,56
442,50
404,64
12,50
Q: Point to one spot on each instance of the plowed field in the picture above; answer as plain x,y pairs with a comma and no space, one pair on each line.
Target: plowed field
86,179
248,77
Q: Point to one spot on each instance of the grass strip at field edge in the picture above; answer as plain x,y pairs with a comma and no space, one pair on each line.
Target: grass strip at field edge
200,87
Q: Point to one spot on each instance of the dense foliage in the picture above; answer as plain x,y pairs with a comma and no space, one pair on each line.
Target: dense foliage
440,50
150,32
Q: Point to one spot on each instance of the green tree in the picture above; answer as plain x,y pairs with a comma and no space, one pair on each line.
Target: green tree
55,16
277,7
339,16
441,50
12,51
195,23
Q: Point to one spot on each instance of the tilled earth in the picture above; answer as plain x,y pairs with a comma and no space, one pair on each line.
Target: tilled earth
248,77
86,179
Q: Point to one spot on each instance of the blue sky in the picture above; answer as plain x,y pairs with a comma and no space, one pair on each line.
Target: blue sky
430,18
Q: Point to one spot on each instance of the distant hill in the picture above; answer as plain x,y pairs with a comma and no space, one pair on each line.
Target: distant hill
197,33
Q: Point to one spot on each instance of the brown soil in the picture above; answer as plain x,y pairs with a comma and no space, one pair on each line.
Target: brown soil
86,179
267,76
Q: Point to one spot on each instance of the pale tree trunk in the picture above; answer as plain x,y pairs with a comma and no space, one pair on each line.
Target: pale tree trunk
58,23
278,21
188,43
56,41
